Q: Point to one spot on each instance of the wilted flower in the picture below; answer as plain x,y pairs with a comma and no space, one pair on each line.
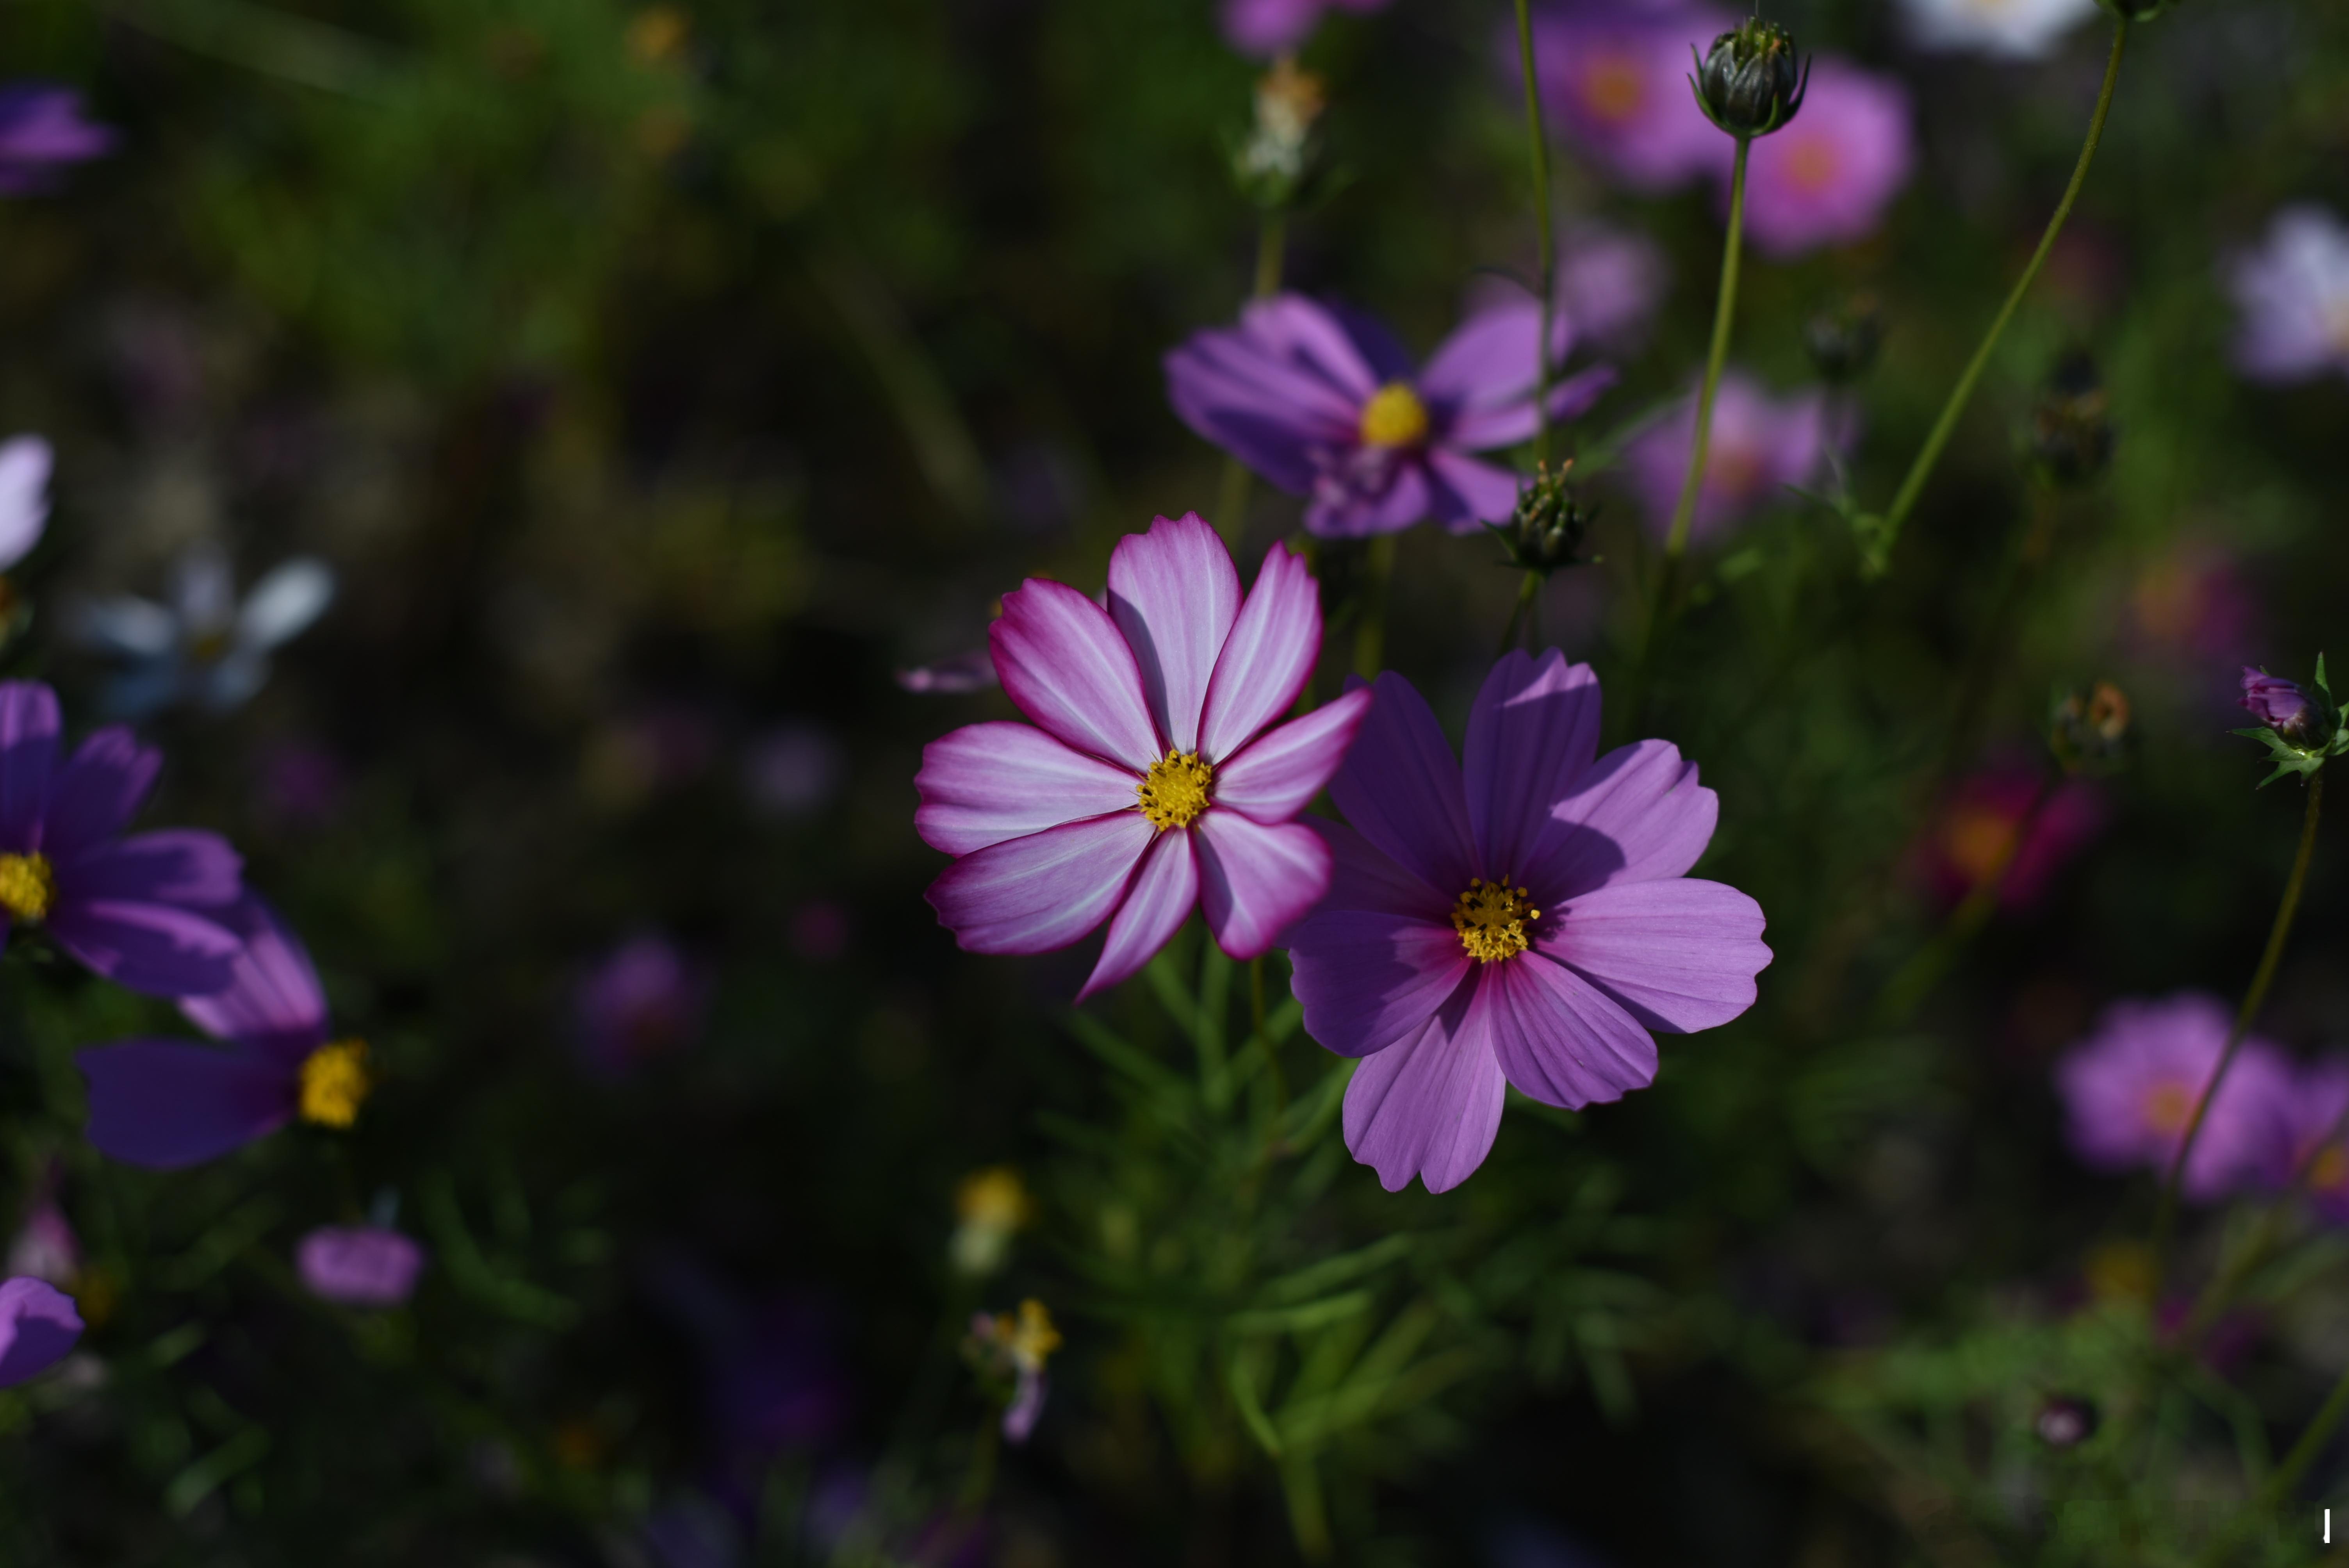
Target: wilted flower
1526,920
201,646
2087,733
41,129
1614,81
1827,178
644,999
165,1104
1323,402
991,1206
1158,774
1759,446
2017,29
37,1325
2131,1088
2293,296
1016,1347
358,1265
1752,81
1267,27
1976,831
145,912
2071,424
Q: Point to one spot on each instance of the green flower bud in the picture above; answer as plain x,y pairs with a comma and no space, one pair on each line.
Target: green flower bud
2071,440
1750,83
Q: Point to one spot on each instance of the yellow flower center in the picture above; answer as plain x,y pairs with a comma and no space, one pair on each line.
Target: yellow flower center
28,886
1491,920
2169,1107
1174,791
1032,1337
333,1083
1394,417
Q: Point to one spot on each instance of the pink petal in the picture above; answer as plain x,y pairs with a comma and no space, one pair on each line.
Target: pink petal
1532,734
1637,815
1063,662
1043,892
1278,774
1400,789
1561,1039
1267,658
1678,954
1368,978
1164,892
985,783
1430,1105
1175,595
1254,880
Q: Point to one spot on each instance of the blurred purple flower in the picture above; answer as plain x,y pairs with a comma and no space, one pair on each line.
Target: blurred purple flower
644,999
2131,1088
358,1265
37,1325
1759,446
2194,603
42,128
2016,29
1324,402
2314,1147
24,465
1827,179
166,1103
1263,28
950,676
201,646
1526,920
142,910
1614,78
1975,829
794,768
2279,704
1610,282
1158,774
2293,296
302,784
46,1248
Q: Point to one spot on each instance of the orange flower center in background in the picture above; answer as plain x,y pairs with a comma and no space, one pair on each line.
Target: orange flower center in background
2331,1171
1614,86
2169,1107
1813,164
1978,840
1491,918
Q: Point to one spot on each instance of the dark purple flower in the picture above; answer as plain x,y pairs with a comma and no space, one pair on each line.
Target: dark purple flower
2131,1087
358,1265
1526,920
165,1104
1614,75
1264,28
1759,446
2281,705
143,911
41,128
646,999
37,1325
1323,402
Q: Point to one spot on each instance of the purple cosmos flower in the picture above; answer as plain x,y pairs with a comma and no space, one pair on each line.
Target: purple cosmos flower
646,999
2017,29
165,1104
1826,178
1759,446
1157,774
1264,28
1526,920
41,128
1323,402
2279,704
2131,1087
2313,1141
37,1325
143,911
358,1265
1614,74
2293,294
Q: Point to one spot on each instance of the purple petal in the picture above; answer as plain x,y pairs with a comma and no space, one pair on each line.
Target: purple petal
1063,662
985,783
1362,876
1482,429
1160,899
1678,954
273,1002
1254,880
1267,27
1267,659
1532,733
155,948
1464,492
25,464
1637,815
1175,595
1278,774
1561,1039
1043,892
1271,416
1341,347
1340,512
28,751
1400,789
38,1324
166,1104
1430,1105
358,1265
173,865
1489,358
1368,978
94,796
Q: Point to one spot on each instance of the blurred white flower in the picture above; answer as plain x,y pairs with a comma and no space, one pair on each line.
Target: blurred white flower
2292,293
24,462
2018,29
200,647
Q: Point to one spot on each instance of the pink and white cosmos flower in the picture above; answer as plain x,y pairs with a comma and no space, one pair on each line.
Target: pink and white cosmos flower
1156,776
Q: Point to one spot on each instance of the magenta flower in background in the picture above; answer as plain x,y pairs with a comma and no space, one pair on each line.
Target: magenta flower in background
358,1265
1526,919
1610,283
38,1324
645,999
2015,29
1975,829
1759,446
2314,1147
145,910
2194,603
2292,293
1614,80
2130,1087
166,1103
1827,179
42,129
1323,402
1264,28
1157,774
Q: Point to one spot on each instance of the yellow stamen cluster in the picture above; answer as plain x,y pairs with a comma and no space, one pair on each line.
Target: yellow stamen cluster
992,1204
1394,417
335,1083
1491,920
28,886
1174,791
1031,1337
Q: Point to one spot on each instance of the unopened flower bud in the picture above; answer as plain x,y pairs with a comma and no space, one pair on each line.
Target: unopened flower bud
2281,705
2065,1423
1843,340
1750,83
1546,531
2072,427
2088,733
2301,726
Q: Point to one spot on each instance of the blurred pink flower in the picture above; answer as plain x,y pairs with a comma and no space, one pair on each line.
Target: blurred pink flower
2131,1087
1759,446
971,670
646,998
358,1265
820,931
1614,78
1827,179
1976,827
2194,603
1264,28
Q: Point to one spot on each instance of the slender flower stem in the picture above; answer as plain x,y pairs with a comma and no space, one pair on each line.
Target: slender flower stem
2285,1476
1271,247
1887,530
1526,591
1370,632
1537,145
2165,1216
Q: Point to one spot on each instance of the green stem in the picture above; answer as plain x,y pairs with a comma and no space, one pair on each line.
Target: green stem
1887,531
2285,1476
2165,1216
1271,247
1537,146
1527,590
1370,631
